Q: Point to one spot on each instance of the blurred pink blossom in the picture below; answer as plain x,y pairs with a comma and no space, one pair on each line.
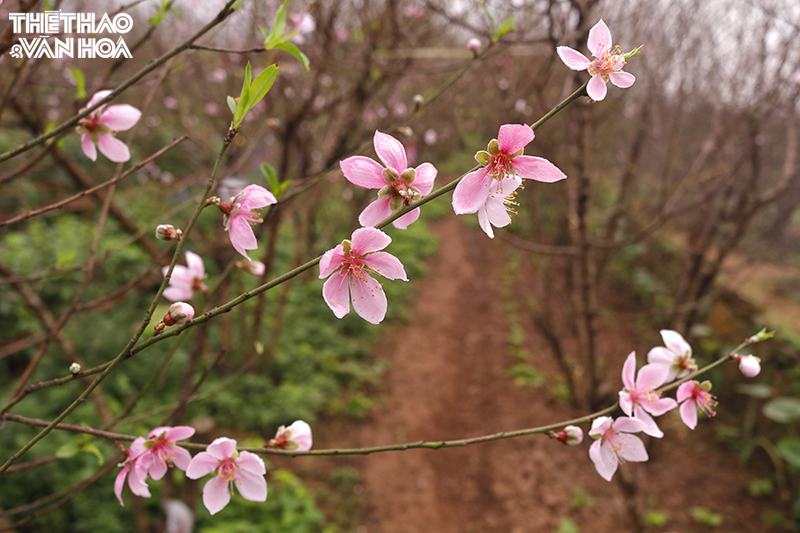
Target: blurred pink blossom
296,437
185,279
676,356
100,127
749,365
242,212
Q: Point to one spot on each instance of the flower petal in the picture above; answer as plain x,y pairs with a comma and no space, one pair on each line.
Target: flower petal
685,391
196,270
375,213
599,39
605,461
537,168
222,448
660,406
514,137
336,293
623,80
113,148
631,448
471,192
483,220
363,171
386,265
406,220
426,175
88,147
650,426
251,486
651,377
366,240
255,197
181,458
390,151
596,88
331,260
158,468
202,464
661,356
119,483
369,300
688,412
675,342
627,425
497,212
242,236
177,294
137,484
251,463
601,425
629,372
96,97
572,58
625,403
120,117
216,495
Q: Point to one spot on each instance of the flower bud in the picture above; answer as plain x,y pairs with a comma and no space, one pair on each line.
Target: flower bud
570,435
75,368
761,336
419,100
167,232
256,268
296,437
750,365
405,131
178,313
474,44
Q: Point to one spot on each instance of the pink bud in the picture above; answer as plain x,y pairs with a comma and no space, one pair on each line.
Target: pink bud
256,268
750,365
570,435
295,437
166,232
474,45
178,313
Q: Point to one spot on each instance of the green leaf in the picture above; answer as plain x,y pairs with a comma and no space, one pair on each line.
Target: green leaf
703,516
70,449
567,526
232,104
292,49
784,410
80,83
656,518
789,450
270,175
507,26
156,19
242,106
261,85
279,25
91,448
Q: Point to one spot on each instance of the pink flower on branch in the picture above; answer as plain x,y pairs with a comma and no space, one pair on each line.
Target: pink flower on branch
499,203
296,437
614,444
676,356
502,159
136,478
607,65
749,365
100,126
243,470
348,268
241,213
398,184
695,396
639,398
185,279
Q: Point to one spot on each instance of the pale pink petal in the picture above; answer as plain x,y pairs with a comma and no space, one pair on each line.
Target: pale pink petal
628,425
688,412
137,448
406,220
601,425
483,220
216,495
514,137
599,39
366,240
96,97
660,406
375,213
256,197
195,270
685,391
471,192
158,467
629,372
661,356
202,464
622,80
369,300
222,448
120,117
390,151
242,236
426,175
113,148
335,292
251,486
537,168
302,435
181,458
363,171
497,212
625,403
137,484
596,88
675,342
650,426
331,260
386,265
251,463
572,58
119,483
177,294
88,147
631,448
605,461
651,377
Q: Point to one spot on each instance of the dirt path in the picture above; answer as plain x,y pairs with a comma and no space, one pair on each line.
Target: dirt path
447,381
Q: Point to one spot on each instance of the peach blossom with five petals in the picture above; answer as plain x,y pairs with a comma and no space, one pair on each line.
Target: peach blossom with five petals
639,398
97,130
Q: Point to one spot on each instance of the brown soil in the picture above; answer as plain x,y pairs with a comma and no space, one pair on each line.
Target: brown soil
448,380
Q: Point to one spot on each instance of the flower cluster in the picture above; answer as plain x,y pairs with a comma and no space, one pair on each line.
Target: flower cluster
152,456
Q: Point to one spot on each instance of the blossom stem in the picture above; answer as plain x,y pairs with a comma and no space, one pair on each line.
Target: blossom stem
568,100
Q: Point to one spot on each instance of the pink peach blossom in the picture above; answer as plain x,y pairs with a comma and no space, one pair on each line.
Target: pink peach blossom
398,184
749,365
639,398
159,451
242,212
296,437
100,127
185,279
243,470
502,159
348,268
570,435
607,65
676,356
694,396
136,478
615,444
495,212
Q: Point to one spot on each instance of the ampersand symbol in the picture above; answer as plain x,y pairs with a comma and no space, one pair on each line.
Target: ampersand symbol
16,51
